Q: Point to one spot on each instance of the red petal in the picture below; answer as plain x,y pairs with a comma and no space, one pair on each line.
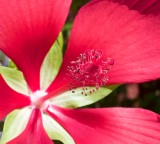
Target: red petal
10,100
34,133
143,6
132,40
110,125
28,28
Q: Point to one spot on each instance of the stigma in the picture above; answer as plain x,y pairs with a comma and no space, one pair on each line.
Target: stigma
90,69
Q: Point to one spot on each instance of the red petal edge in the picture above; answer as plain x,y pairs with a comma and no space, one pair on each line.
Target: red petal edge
142,6
34,133
28,28
10,99
124,35
109,125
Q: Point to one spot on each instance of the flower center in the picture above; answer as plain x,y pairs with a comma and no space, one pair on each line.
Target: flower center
37,101
90,69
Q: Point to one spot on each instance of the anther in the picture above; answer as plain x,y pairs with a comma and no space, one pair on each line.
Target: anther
90,69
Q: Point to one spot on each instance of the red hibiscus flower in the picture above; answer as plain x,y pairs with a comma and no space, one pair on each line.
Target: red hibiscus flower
111,42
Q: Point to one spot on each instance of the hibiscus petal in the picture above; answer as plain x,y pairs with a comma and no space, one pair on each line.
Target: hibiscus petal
10,100
126,36
28,28
34,133
110,125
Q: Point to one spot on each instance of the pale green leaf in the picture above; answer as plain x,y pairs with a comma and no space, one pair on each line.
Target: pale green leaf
56,131
15,79
60,40
77,99
12,65
51,64
14,124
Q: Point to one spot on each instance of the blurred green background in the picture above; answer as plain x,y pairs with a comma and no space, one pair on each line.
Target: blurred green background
145,95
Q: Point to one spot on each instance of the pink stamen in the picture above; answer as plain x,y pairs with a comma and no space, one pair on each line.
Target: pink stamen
90,69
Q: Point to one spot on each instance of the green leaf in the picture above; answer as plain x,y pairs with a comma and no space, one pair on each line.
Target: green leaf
15,79
77,99
60,40
14,124
51,63
56,131
12,65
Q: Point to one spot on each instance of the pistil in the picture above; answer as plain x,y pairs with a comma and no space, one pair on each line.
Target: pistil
37,99
90,69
